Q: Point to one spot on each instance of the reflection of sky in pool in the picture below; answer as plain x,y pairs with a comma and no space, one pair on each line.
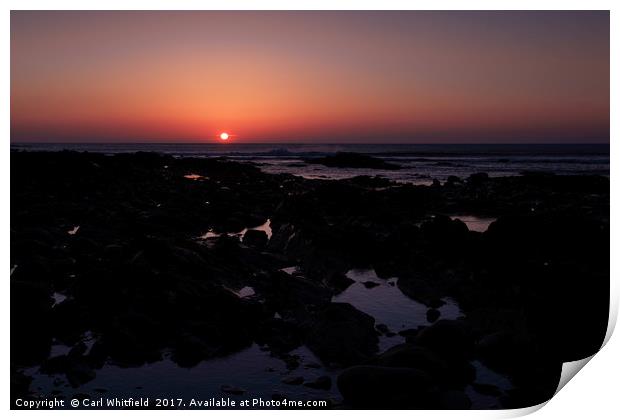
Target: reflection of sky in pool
388,305
265,227
251,369
474,223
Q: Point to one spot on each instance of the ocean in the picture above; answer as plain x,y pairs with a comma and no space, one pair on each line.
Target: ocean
420,163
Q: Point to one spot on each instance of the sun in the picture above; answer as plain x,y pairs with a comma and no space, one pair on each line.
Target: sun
224,136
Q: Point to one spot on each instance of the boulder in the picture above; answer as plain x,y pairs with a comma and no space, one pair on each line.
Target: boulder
339,282
478,178
432,315
231,389
486,389
452,340
453,180
412,356
502,351
322,382
382,328
342,334
454,400
293,380
79,373
381,387
255,238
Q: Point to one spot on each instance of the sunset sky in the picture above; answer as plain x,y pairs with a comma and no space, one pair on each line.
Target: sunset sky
387,77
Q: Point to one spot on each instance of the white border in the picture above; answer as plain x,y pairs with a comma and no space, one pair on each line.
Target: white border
592,394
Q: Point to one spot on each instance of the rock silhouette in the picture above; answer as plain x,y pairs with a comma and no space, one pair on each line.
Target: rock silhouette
143,282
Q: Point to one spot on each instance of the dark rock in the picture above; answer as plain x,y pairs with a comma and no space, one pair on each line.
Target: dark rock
114,251
460,374
19,384
55,365
370,284
293,297
255,238
97,355
415,357
281,336
343,334
291,361
80,373
322,382
452,340
486,389
31,338
537,383
78,350
435,303
293,380
277,396
234,390
69,320
339,282
80,396
191,350
385,387
445,232
382,328
312,365
543,254
503,351
409,333
432,315
454,400
478,178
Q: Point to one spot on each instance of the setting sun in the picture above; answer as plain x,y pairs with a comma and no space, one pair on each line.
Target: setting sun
224,136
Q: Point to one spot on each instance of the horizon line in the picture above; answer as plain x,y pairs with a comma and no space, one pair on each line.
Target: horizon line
309,143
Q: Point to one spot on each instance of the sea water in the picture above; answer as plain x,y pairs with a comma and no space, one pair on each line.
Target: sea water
420,163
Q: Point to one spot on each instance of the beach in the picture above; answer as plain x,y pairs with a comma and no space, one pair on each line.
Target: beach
161,275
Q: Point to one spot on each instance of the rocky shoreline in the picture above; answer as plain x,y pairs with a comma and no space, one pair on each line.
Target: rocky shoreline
124,240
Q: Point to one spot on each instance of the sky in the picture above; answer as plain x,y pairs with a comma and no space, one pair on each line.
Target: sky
324,77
